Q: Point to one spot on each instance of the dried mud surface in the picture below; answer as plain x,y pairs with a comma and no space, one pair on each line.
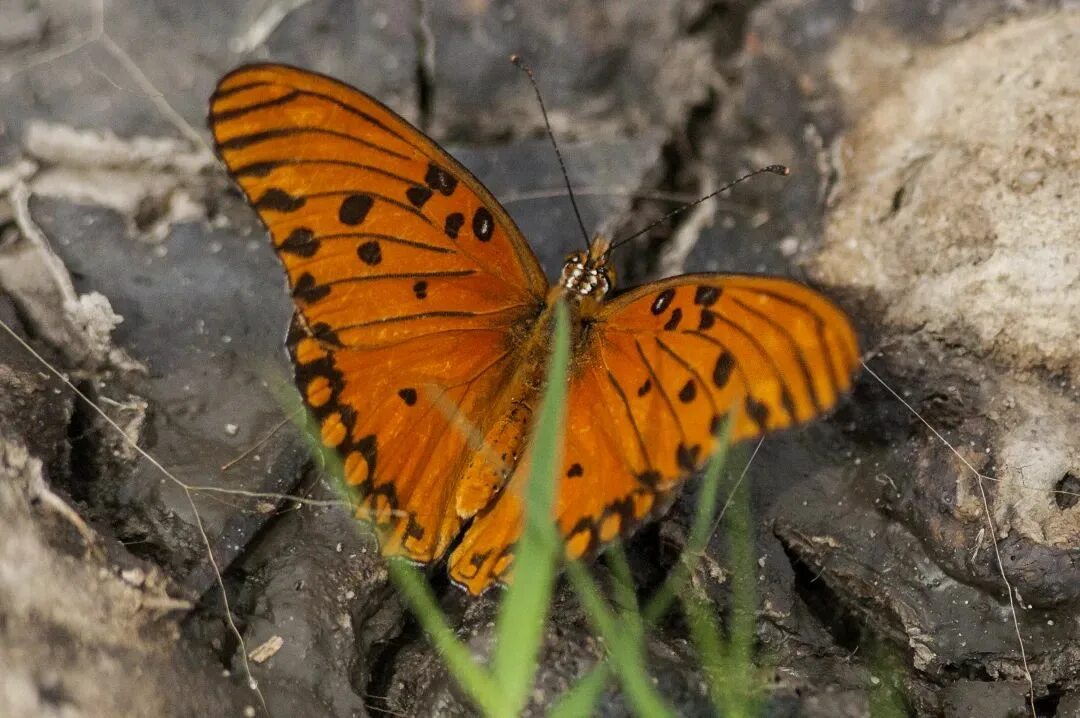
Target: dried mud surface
935,157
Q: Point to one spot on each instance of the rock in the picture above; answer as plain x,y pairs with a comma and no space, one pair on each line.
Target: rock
111,646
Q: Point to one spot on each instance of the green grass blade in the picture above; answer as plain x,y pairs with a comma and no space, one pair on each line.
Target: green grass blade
729,668
700,528
467,672
523,611
626,648
743,584
581,699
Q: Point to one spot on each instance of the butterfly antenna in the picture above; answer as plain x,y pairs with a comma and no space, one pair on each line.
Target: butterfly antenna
774,169
520,64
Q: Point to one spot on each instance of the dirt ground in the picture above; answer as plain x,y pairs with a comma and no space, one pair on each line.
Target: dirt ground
926,539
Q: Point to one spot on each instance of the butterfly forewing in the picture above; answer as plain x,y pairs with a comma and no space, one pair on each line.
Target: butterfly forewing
409,280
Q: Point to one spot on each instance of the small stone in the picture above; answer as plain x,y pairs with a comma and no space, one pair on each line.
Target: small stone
231,429
1029,181
789,246
134,576
266,650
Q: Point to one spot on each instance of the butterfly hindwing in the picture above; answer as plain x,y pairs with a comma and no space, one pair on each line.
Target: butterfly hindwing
688,349
603,491
410,284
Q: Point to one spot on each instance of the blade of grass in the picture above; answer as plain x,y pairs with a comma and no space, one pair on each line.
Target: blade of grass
743,585
729,667
523,611
581,699
699,530
886,696
623,584
626,648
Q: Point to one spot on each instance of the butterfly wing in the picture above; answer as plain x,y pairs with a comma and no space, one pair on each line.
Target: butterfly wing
410,284
665,364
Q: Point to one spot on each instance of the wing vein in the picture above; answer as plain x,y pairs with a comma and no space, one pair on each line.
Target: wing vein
819,324
236,112
660,388
797,351
630,415
259,169
255,138
400,275
690,368
387,238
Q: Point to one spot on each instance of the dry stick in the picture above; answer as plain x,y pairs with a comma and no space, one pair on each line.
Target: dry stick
97,29
153,93
990,523
265,438
735,488
260,29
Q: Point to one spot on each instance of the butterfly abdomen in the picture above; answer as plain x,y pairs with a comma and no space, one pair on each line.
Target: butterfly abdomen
506,434
494,461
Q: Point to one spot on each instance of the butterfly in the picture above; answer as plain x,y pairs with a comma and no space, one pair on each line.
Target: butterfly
423,323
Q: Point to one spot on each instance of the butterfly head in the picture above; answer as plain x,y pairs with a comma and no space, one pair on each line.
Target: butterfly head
588,274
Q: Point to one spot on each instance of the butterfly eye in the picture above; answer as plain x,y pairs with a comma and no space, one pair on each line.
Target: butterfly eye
609,277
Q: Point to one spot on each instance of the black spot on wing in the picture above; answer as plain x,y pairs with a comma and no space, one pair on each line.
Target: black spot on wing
440,180
418,196
721,375
279,200
706,296
453,225
483,225
326,335
300,242
758,411
687,456
370,253
308,291
663,299
574,471
673,321
688,392
408,395
650,478
354,209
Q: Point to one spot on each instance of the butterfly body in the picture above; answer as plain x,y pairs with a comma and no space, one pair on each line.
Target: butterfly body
424,323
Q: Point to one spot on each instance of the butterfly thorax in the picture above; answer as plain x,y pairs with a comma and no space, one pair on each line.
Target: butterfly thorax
587,275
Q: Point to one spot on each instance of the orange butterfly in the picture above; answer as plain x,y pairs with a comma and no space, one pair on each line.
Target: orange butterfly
423,322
